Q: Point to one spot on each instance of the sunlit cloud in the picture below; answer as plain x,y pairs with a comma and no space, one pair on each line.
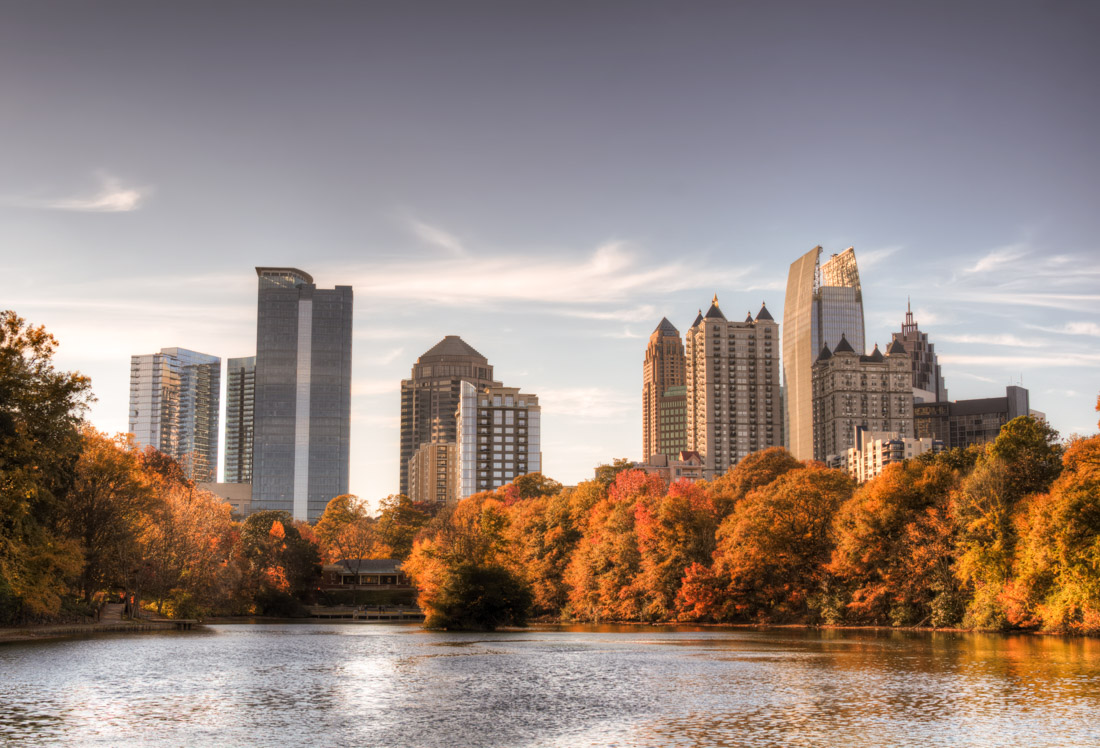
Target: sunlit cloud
997,258
112,197
870,259
436,237
587,403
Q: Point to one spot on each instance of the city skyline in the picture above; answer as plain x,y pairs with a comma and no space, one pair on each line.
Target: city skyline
550,190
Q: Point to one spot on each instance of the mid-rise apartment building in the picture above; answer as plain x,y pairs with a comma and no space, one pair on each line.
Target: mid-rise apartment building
499,437
965,422
433,473
872,451
240,401
850,390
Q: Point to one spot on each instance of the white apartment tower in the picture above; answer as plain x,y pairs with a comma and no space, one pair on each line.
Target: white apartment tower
733,403
498,437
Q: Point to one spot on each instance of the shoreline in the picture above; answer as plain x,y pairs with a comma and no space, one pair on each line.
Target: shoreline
49,631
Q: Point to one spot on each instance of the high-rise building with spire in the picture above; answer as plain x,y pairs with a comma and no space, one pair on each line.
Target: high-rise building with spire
732,373
824,302
302,406
664,424
928,384
430,397
174,397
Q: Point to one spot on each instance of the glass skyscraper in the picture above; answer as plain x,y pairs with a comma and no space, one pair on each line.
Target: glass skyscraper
302,407
174,399
240,399
823,303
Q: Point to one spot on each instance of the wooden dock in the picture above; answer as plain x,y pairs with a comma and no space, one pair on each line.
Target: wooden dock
365,613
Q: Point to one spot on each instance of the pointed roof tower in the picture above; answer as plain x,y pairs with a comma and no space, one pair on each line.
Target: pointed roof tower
896,349
843,346
666,328
698,318
825,355
764,313
748,319
451,345
876,355
714,312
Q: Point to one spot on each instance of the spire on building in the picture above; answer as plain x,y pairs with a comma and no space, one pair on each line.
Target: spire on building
896,348
666,328
714,312
764,313
698,318
844,346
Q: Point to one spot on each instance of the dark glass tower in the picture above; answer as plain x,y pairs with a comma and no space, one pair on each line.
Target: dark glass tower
240,399
302,411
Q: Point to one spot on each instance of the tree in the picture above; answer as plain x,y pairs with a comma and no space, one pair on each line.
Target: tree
40,419
479,598
398,523
774,548
1030,453
279,562
755,470
606,474
895,547
103,511
342,511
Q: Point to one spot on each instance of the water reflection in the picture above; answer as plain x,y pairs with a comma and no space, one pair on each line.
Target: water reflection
395,685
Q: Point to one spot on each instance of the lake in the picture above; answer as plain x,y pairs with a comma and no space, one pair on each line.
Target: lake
397,685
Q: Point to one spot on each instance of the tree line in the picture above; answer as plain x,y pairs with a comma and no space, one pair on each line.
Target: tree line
999,536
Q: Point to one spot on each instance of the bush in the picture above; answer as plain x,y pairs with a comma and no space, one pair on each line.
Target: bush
479,598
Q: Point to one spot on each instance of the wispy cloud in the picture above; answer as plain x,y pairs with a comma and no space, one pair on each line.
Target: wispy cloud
997,258
111,197
1022,361
995,339
587,403
436,237
1071,328
870,259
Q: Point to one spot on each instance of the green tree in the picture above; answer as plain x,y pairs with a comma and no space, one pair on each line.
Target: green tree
479,598
40,419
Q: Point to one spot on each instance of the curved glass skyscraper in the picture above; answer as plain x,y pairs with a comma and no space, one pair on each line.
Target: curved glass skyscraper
824,301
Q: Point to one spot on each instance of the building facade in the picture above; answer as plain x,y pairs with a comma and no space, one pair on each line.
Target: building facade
240,401
928,384
824,301
302,406
961,423
851,390
872,451
688,465
664,429
174,403
499,437
732,372
433,473
430,396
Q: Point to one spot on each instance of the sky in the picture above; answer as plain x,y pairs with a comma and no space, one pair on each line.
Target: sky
548,180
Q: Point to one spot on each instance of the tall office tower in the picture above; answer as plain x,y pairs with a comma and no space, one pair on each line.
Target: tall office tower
733,405
928,384
433,475
851,390
429,398
823,302
174,397
240,399
302,411
663,428
499,438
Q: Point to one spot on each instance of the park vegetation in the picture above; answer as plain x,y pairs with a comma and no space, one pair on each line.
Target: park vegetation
1003,536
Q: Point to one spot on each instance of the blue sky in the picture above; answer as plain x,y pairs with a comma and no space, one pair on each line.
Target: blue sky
548,181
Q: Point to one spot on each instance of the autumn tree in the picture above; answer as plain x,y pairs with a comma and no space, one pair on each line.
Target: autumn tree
753,471
279,562
103,511
895,548
773,550
346,531
40,418
541,535
399,520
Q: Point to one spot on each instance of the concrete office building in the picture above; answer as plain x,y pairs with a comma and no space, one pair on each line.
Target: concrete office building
302,410
664,430
174,399
433,474
965,422
851,390
240,400
928,384
429,398
733,405
823,303
499,437
873,451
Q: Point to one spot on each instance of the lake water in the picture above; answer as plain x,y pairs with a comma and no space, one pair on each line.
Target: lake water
397,685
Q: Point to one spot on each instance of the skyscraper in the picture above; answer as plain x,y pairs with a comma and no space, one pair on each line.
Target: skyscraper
302,411
927,377
823,303
664,430
733,405
499,437
240,399
174,398
429,398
